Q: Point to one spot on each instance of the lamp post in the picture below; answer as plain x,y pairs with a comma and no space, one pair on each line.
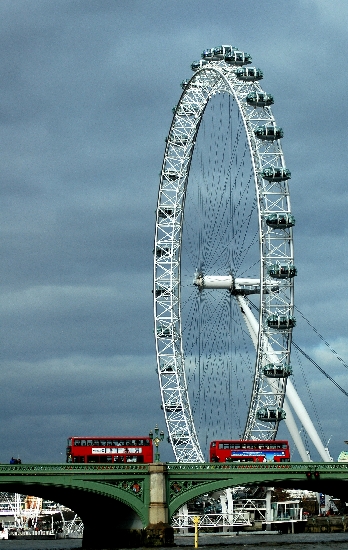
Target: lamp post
157,438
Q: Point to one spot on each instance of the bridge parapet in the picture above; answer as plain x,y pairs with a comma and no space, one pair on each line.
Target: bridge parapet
176,466
73,468
255,466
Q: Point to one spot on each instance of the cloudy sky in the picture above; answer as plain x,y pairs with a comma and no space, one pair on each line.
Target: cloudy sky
86,92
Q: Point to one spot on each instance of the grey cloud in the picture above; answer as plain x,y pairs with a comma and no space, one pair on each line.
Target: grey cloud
86,92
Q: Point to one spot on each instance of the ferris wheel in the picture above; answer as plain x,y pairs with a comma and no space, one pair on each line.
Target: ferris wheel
223,260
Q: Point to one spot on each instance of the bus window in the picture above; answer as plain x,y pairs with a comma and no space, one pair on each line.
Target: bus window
105,458
78,459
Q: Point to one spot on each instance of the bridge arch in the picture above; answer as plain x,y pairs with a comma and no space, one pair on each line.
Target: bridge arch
114,506
81,497
184,484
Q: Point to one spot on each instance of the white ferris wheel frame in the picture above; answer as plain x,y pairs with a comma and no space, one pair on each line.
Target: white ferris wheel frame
272,343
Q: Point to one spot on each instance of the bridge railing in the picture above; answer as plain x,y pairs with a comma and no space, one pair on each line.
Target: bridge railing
176,467
69,468
259,466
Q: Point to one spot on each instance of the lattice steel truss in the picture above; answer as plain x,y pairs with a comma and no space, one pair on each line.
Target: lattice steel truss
271,329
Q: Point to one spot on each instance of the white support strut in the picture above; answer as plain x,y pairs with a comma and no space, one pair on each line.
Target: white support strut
307,423
291,395
253,328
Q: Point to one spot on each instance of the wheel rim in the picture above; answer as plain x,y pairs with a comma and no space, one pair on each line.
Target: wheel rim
222,182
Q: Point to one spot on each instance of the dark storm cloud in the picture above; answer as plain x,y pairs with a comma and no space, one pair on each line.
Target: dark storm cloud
86,92
75,400
74,319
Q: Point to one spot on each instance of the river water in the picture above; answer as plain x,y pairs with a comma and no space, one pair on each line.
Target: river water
300,541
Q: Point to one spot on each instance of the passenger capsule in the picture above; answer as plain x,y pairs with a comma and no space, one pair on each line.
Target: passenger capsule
238,58
276,173
221,51
208,54
280,220
281,322
198,64
282,271
184,83
269,132
270,414
249,74
273,370
259,99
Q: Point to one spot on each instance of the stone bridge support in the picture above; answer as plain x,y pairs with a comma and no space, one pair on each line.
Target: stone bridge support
118,526
159,532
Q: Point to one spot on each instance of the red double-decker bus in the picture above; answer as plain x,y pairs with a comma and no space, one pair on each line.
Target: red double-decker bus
109,449
249,451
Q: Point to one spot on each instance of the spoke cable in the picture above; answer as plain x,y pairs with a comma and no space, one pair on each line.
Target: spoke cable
319,368
323,339
310,395
312,360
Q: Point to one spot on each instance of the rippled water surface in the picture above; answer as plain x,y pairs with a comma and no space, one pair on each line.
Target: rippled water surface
302,541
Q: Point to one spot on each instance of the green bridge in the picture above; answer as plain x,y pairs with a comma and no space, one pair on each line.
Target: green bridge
132,504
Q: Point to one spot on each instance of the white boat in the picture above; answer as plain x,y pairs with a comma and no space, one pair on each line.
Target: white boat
3,533
343,457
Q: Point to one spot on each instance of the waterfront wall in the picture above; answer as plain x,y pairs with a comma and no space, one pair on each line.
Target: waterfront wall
327,524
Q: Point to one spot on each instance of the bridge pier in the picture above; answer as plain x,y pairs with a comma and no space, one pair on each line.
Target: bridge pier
158,532
120,527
